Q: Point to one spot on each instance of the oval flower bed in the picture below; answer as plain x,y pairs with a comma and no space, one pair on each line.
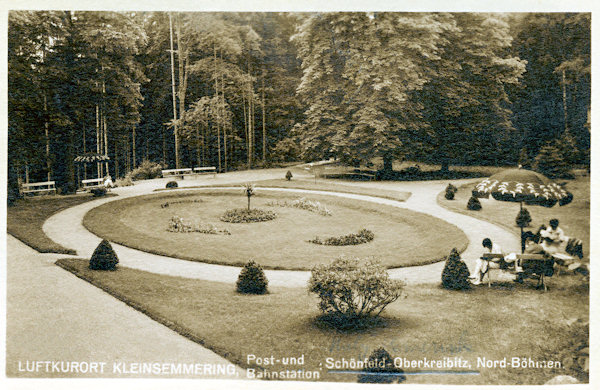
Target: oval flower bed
361,237
247,216
179,225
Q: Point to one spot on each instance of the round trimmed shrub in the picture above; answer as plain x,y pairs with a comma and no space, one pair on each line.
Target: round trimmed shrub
252,279
381,365
351,290
455,275
172,184
288,175
474,204
104,257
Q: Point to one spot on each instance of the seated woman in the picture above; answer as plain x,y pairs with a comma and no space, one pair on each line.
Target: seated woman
553,238
481,266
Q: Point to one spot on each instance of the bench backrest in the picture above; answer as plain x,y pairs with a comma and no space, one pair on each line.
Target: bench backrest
86,181
205,169
537,264
176,171
492,256
40,184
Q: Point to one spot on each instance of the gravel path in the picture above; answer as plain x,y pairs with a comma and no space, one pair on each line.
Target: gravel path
66,229
54,316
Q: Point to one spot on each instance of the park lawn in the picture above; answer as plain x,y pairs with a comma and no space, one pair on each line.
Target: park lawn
319,185
26,218
574,218
402,237
506,321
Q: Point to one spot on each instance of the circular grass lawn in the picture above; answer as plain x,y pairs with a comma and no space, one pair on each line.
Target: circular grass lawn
402,237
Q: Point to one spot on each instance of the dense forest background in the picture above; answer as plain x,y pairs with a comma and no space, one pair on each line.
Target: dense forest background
248,90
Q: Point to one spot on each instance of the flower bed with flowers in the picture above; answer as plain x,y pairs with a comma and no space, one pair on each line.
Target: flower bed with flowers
304,204
247,216
142,224
179,225
361,237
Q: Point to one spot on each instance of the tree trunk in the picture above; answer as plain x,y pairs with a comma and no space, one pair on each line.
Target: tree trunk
445,166
47,138
246,131
564,98
116,158
198,146
388,162
174,94
264,131
223,111
133,145
217,108
106,145
98,138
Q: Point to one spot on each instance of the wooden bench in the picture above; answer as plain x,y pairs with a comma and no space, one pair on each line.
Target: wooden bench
493,258
38,188
177,172
205,170
537,265
89,184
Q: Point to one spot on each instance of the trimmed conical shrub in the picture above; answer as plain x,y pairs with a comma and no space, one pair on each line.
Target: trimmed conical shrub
450,191
523,218
474,204
381,365
104,257
455,275
252,279
288,175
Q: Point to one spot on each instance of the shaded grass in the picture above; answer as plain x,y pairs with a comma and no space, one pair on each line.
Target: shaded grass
303,184
430,323
401,236
27,216
574,218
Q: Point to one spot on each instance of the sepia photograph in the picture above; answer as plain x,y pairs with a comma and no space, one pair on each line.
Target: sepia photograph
296,196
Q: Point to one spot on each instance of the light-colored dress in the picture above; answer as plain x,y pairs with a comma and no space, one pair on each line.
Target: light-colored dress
555,240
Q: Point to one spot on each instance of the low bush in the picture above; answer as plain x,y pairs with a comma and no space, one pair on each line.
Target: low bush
104,257
288,175
304,204
381,368
172,184
252,279
179,225
124,181
98,192
247,216
351,289
455,275
146,170
361,237
474,204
